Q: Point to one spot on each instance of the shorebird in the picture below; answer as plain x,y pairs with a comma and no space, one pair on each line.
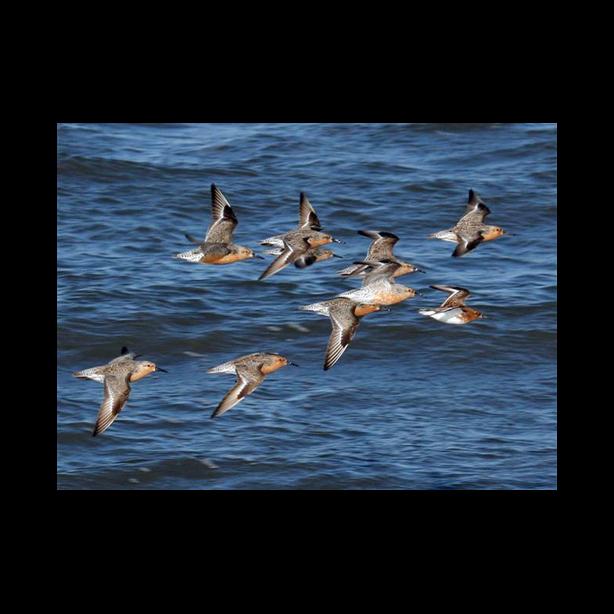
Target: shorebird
344,315
309,257
470,230
298,244
217,247
379,287
250,371
381,247
116,377
453,310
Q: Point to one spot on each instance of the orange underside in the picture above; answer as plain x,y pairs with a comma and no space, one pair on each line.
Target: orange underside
390,299
266,369
314,242
469,314
491,234
141,373
402,270
363,310
224,259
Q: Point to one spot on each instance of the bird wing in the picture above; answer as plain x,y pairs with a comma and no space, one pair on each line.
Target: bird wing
382,244
340,337
307,217
224,219
125,355
116,393
287,256
247,381
382,269
466,243
307,259
456,296
476,207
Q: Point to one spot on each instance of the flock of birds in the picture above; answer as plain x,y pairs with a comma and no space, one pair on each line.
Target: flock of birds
302,247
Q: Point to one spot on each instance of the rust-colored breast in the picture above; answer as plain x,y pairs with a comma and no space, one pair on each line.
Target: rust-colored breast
491,234
270,367
470,314
315,241
141,373
363,310
228,258
389,298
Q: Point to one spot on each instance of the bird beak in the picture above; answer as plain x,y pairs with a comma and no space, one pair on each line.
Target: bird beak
418,293
384,310
337,256
338,241
293,364
161,369
258,256
420,271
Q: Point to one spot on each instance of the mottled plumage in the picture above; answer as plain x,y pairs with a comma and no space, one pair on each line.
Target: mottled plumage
250,371
453,309
217,247
381,247
379,287
308,258
345,316
470,230
116,377
296,245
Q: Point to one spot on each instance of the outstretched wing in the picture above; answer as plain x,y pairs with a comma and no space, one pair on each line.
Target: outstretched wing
307,217
382,244
307,259
339,339
457,295
247,382
382,269
287,256
224,219
116,393
476,206
466,244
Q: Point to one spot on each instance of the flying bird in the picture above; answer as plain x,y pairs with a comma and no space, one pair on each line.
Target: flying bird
116,377
470,230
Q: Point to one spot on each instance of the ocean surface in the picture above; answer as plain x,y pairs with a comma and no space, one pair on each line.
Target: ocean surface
412,404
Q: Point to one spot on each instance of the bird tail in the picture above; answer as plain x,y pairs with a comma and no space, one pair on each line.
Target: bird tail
426,312
225,367
353,270
194,255
317,307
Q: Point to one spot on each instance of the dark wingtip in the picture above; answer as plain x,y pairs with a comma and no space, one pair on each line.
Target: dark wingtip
124,350
389,235
191,238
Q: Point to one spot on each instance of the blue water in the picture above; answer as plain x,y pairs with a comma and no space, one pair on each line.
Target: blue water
412,404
